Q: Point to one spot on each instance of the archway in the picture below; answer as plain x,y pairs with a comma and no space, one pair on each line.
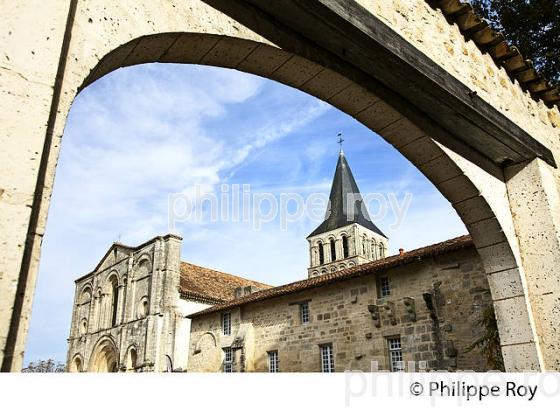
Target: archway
131,359
76,366
104,358
478,189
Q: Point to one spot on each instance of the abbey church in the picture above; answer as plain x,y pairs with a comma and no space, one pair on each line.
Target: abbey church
143,309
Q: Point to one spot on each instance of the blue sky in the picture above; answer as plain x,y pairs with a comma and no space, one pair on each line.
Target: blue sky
144,132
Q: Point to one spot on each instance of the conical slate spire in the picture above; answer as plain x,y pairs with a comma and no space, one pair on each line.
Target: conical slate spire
345,202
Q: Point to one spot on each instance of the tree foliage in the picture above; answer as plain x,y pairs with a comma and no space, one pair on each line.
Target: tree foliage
45,366
489,342
531,25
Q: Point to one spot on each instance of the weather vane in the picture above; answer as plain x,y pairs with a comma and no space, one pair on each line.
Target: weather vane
340,140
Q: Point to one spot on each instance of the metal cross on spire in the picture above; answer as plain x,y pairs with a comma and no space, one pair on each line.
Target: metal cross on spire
340,140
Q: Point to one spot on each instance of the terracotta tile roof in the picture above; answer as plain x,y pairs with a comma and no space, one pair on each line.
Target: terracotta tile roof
505,55
211,286
461,242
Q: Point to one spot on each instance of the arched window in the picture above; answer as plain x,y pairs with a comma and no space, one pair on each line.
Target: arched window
321,254
168,364
114,300
373,249
381,251
82,328
333,250
86,295
76,366
131,360
345,246
364,248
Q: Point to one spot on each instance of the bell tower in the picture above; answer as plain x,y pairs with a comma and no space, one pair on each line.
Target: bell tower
347,237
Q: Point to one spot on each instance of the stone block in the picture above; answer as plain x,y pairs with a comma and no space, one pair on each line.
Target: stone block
353,99
513,321
497,257
505,284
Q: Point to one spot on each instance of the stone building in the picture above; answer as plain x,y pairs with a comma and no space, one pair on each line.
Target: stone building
142,309
421,306
130,312
358,310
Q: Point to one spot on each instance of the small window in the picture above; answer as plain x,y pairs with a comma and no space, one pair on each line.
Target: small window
83,326
345,246
327,359
384,286
381,251
273,361
304,312
114,304
228,360
373,250
321,254
226,324
333,250
395,354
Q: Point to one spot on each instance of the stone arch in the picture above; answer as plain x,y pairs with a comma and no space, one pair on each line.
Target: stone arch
104,357
365,247
456,178
76,364
82,310
83,326
131,360
207,354
321,251
374,250
333,254
143,308
345,243
199,34
143,265
207,338
111,299
168,364
113,278
86,294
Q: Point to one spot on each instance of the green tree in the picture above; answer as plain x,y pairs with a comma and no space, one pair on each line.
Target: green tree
489,343
531,25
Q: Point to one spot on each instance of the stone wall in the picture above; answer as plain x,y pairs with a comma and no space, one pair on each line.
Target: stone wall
340,314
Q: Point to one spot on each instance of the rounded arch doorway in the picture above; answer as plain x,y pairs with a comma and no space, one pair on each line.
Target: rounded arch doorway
104,358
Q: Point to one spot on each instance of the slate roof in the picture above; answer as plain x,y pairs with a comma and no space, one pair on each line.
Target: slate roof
455,244
344,190
211,286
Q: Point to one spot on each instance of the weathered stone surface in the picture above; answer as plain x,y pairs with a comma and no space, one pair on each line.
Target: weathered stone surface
148,331
339,315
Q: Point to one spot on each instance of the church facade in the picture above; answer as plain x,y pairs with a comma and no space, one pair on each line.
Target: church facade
142,309
130,312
